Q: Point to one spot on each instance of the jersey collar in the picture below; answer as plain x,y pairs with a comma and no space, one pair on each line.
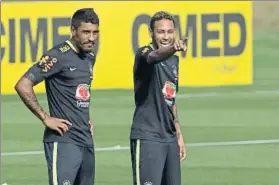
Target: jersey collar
75,49
72,46
151,45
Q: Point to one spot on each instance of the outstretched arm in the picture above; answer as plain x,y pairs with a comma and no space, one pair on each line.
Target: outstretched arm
160,54
163,53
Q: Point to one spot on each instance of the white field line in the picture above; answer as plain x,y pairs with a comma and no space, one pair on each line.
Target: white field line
179,96
118,147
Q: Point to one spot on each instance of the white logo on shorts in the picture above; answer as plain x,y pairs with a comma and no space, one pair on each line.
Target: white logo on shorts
72,68
66,182
148,183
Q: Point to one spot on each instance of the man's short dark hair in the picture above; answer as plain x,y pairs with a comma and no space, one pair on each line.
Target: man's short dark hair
84,15
159,16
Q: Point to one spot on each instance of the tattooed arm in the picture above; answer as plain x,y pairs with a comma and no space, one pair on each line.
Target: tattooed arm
160,54
24,89
46,67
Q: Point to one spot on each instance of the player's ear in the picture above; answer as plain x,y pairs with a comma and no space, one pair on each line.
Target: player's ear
174,32
73,30
150,32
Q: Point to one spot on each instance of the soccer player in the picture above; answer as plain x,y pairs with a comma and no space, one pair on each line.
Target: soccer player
67,71
156,140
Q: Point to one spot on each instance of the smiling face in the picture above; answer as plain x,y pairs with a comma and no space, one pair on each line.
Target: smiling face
162,29
163,33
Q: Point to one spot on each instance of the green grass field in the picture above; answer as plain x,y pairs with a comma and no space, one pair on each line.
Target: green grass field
209,115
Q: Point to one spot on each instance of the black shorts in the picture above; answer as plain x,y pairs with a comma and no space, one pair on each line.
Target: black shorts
155,163
70,164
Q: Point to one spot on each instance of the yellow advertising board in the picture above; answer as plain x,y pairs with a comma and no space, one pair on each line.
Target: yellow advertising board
220,39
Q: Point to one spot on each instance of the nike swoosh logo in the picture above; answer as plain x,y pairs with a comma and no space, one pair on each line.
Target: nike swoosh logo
72,68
